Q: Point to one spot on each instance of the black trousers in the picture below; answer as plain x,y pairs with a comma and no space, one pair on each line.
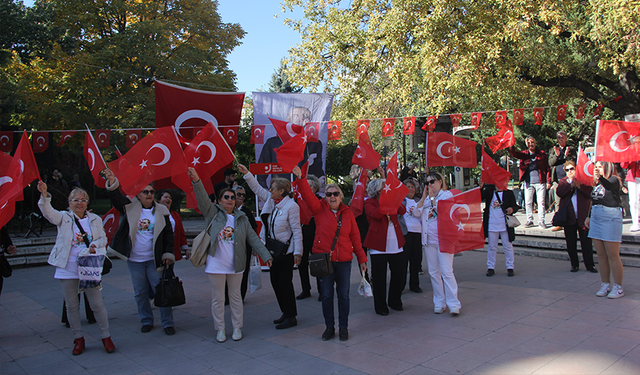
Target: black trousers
281,275
303,269
398,267
571,233
413,258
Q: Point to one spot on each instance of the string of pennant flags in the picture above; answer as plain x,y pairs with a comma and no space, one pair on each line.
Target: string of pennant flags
40,138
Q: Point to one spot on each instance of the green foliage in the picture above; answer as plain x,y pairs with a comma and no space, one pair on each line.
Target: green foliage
280,81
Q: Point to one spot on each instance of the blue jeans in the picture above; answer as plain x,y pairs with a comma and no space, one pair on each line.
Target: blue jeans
342,277
143,276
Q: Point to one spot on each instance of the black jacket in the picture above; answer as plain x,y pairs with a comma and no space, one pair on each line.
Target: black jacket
508,200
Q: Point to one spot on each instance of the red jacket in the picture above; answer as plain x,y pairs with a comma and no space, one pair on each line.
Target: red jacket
541,159
327,225
633,170
180,238
378,223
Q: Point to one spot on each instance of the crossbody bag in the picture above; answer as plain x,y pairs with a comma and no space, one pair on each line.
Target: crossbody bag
320,264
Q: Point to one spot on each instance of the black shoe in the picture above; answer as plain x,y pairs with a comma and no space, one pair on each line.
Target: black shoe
383,313
170,331
329,333
92,321
592,270
146,328
399,308
304,295
416,289
510,272
575,269
320,298
343,333
279,320
288,323
490,272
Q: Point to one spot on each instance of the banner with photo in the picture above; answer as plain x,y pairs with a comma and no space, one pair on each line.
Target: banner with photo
300,109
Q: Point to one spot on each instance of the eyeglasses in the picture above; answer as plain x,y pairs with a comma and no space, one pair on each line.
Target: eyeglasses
332,194
429,182
227,197
79,201
147,192
570,169
240,195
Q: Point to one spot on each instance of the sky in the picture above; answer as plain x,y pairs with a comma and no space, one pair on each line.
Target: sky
266,42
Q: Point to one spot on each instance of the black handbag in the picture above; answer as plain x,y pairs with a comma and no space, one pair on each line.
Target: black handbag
561,218
320,264
169,292
276,248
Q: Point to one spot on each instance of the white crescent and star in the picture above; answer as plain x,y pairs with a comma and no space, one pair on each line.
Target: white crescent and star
194,113
38,140
211,148
464,207
109,217
2,139
612,142
257,132
101,134
165,150
359,152
289,128
439,150
232,133
93,159
133,137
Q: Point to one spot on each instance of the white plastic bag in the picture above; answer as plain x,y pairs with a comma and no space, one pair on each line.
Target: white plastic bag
255,274
365,288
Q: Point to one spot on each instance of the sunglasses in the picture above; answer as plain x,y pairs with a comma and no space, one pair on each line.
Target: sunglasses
147,192
332,194
79,200
232,197
240,195
429,182
570,169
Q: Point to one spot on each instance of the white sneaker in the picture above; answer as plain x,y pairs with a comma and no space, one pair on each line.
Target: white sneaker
237,334
605,288
634,228
454,310
439,310
221,336
616,291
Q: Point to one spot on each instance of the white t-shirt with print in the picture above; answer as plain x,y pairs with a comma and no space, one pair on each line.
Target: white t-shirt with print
77,245
223,262
142,250
497,221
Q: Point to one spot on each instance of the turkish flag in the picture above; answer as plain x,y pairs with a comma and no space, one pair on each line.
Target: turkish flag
598,110
361,127
503,139
110,222
430,125
387,127
444,149
133,136
334,130
230,134
476,117
257,134
10,184
501,119
584,168
40,141
7,211
18,172
617,141
189,109
493,174
312,129
6,141
156,156
66,134
518,116
562,112
208,153
357,199
365,156
392,195
291,152
580,111
305,212
460,222
392,165
94,158
24,156
286,130
455,119
408,125
538,115
103,138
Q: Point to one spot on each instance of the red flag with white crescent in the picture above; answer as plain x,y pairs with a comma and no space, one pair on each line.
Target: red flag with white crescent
617,141
455,119
503,139
562,111
305,212
103,137
580,111
230,134
334,130
408,125
6,141
20,171
362,126
392,195
66,134
313,130
392,165
493,174
430,124
518,116
387,127
476,117
365,155
357,199
291,152
538,115
110,222
598,110
257,134
584,168
501,119
94,158
460,222
40,141
133,136
444,149
286,130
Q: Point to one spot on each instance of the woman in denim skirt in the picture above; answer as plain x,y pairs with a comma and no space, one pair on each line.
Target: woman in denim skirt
605,227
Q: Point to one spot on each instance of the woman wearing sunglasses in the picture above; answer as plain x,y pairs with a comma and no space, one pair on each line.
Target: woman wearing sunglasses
572,192
443,282
145,239
328,214
281,218
605,227
226,261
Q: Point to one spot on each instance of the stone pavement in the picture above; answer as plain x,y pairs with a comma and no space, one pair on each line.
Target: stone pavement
545,320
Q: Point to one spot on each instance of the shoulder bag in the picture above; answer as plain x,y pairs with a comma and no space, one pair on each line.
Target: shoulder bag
106,264
511,220
169,291
276,248
200,247
320,264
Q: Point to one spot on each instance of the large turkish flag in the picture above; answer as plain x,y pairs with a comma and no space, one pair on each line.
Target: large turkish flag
444,149
94,159
460,222
584,168
617,141
503,139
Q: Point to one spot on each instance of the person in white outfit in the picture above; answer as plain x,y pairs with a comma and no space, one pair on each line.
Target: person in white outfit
440,265
498,203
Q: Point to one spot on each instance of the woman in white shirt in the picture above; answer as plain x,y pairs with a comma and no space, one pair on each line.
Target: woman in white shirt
412,230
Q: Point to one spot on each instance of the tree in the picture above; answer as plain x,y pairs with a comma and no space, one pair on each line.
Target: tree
280,81
383,57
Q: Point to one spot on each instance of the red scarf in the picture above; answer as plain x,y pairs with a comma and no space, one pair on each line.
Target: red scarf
276,201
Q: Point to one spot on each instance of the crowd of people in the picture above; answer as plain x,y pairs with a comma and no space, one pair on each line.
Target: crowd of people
151,237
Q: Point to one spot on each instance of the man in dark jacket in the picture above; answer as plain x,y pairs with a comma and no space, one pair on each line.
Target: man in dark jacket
534,177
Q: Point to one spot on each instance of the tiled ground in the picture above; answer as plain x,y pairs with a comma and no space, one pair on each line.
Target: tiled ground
545,320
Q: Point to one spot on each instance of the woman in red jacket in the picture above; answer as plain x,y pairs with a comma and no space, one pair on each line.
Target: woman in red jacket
331,214
385,242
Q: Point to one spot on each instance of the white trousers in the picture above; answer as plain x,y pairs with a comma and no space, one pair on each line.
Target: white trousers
634,197
217,299
443,282
541,193
493,249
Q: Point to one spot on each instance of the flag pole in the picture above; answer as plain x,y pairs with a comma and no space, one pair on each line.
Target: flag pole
596,140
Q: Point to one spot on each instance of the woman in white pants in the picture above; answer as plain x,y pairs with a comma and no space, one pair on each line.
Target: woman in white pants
443,281
498,203
633,184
